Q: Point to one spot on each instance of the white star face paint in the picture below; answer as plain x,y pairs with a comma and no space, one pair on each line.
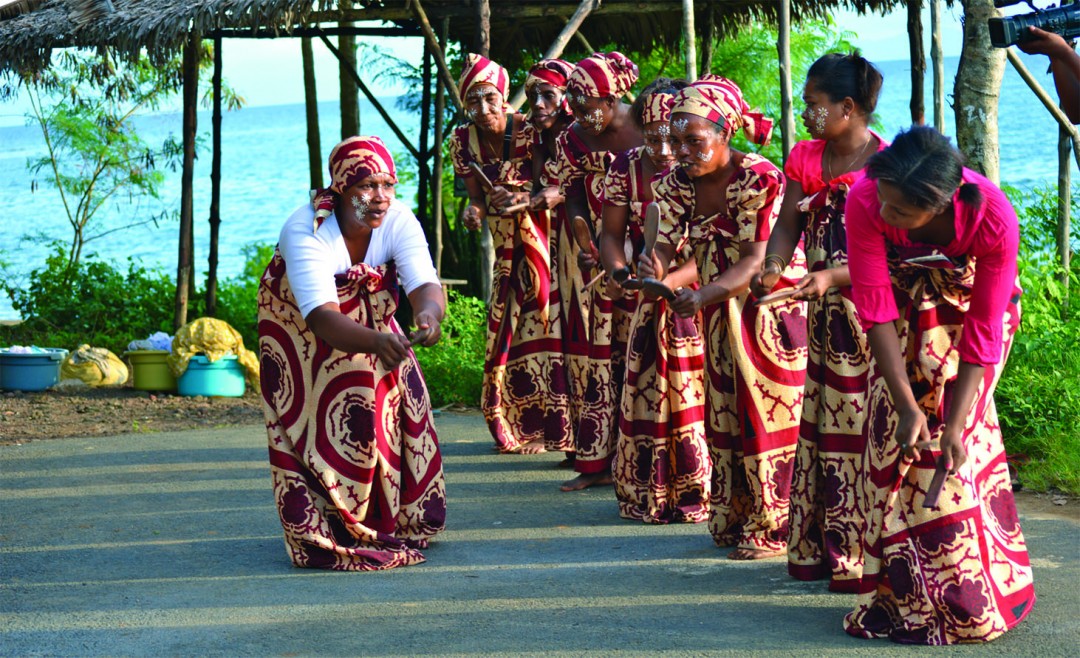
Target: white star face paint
471,114
664,131
820,114
680,124
595,120
360,205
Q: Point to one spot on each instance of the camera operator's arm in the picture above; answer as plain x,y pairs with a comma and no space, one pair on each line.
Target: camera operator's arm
1064,62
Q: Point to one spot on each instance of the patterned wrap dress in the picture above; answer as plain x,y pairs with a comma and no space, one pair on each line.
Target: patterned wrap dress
958,572
826,525
662,470
597,377
755,357
525,391
354,457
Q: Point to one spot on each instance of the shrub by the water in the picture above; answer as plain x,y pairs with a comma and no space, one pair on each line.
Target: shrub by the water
454,367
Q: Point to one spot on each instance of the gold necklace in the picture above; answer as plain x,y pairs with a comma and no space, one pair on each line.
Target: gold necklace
832,173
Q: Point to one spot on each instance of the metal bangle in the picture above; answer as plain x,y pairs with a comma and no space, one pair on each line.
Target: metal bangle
780,261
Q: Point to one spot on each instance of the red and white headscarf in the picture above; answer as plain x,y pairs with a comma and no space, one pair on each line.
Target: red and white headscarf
352,161
603,75
657,108
479,69
721,101
554,72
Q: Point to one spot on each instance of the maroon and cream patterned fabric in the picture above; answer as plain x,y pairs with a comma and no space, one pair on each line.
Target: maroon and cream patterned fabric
657,108
525,391
721,101
602,75
555,72
958,572
354,457
479,69
351,161
661,469
755,357
826,525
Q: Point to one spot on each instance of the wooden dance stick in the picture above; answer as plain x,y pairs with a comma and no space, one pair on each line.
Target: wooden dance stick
582,233
517,207
484,180
419,336
933,492
652,227
593,281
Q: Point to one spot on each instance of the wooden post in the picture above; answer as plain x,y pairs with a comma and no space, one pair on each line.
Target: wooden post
215,187
487,244
349,101
559,44
437,165
440,59
707,38
938,62
689,39
976,90
311,110
783,47
425,127
483,28
190,125
918,61
1064,203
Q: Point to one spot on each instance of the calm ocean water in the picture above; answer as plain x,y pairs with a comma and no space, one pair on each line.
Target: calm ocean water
264,174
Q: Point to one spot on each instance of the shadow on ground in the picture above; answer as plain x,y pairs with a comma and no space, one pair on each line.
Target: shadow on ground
170,544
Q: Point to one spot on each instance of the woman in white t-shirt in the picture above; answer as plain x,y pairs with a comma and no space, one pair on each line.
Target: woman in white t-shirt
354,457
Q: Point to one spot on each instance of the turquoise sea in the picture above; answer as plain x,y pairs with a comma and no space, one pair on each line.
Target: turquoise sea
264,174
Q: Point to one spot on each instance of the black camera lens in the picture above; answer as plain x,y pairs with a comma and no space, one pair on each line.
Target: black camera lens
1064,21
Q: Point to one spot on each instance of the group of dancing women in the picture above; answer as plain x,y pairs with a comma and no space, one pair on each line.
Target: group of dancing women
795,357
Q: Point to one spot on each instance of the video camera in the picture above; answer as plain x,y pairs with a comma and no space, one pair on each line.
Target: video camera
1006,31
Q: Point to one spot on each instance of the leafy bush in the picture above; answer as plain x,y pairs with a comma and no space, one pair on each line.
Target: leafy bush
454,367
1038,397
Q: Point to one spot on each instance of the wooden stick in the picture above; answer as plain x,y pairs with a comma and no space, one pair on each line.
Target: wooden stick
593,281
484,180
557,46
440,61
1039,92
517,207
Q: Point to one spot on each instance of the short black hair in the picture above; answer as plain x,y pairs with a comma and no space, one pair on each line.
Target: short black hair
926,168
843,76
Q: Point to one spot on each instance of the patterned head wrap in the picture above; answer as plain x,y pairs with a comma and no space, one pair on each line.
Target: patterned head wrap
554,72
352,161
721,101
479,69
602,75
657,108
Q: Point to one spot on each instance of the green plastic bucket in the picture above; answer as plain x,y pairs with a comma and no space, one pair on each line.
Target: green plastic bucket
35,371
222,378
150,370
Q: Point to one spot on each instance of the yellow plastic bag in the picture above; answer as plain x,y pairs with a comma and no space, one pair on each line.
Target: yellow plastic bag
94,366
213,339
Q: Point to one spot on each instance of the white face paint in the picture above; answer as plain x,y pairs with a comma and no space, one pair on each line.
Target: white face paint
820,114
705,156
360,205
664,131
595,119
681,124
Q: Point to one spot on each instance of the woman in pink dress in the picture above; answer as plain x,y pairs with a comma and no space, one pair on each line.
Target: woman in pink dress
826,526
932,251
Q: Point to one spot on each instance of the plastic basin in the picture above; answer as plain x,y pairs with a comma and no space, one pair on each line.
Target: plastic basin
150,370
30,372
222,378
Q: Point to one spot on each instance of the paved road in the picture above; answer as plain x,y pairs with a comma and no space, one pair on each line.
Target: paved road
169,544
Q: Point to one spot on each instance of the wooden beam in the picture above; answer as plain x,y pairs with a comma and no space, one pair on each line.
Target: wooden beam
515,10
440,59
918,61
190,126
215,186
689,39
483,28
374,101
314,31
425,128
938,63
783,48
559,44
311,113
348,100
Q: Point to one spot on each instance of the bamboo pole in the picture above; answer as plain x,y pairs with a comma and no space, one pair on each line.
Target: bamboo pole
311,111
349,101
918,61
1047,102
559,44
425,129
689,39
783,47
190,125
440,59
437,165
215,186
938,63
374,101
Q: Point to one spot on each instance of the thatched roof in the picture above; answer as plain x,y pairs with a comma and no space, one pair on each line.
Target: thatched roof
161,26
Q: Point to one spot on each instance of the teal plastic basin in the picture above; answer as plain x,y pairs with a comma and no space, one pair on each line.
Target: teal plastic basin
222,378
30,372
